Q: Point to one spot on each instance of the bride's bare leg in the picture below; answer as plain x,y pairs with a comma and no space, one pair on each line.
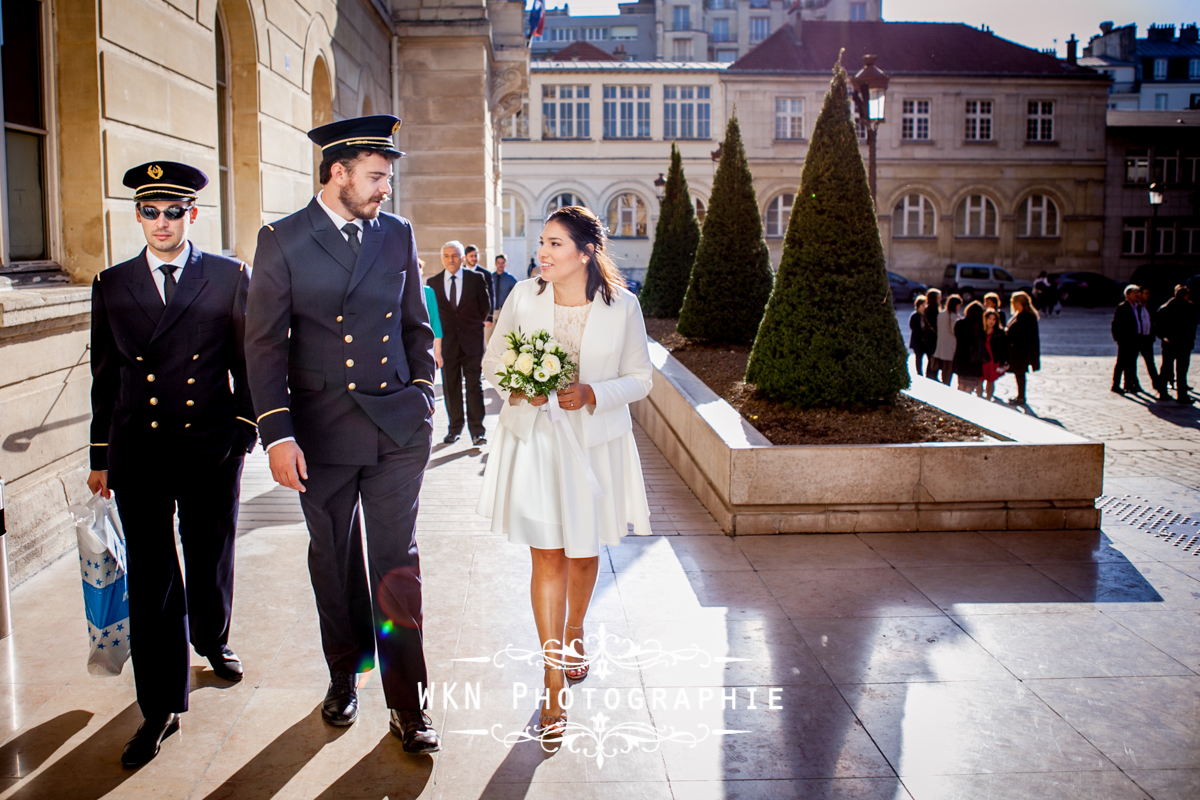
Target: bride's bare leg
581,582
548,592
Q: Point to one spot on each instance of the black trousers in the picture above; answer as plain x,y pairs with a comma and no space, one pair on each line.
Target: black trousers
457,368
166,610
1176,361
370,603
1126,367
1145,345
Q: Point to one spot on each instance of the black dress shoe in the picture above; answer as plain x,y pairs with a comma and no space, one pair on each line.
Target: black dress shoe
450,438
1118,390
225,664
340,707
143,747
478,441
415,731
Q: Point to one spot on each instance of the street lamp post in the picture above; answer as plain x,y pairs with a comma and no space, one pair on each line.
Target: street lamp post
659,183
1156,200
870,93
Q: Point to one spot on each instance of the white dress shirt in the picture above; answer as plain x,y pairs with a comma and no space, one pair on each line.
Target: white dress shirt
338,220
453,285
1143,319
155,262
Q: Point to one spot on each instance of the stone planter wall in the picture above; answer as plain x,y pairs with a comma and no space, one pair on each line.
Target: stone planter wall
1031,475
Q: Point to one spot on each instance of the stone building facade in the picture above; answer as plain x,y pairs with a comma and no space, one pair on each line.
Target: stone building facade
92,87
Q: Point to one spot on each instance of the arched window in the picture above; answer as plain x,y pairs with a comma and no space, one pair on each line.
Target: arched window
562,200
700,210
914,216
627,217
224,138
512,216
976,216
1037,217
779,212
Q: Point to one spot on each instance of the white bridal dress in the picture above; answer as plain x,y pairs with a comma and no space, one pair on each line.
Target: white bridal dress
536,491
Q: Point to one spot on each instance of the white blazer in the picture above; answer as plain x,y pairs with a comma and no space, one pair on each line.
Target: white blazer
613,359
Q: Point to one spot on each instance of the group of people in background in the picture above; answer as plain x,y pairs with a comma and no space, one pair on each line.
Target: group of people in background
463,300
978,342
1135,327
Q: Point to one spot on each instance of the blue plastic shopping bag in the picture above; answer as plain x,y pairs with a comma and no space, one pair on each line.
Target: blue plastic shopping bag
105,594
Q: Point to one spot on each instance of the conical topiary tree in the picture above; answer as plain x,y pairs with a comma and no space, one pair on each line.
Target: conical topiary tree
829,335
675,240
731,279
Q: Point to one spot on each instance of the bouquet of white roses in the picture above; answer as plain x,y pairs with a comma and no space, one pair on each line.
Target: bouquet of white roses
535,365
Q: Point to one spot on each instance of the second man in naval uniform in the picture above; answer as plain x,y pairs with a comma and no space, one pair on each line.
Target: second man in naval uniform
340,357
168,433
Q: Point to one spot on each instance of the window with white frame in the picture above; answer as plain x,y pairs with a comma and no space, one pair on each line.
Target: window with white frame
914,120
720,30
1189,241
566,112
1137,166
789,118
979,121
1037,217
1133,237
595,34
687,112
1039,121
726,56
1164,239
760,28
1160,69
1166,169
624,32
779,213
562,200
627,217
975,217
914,216
563,34
1194,69
858,12
681,49
512,216
1161,101
26,131
681,18
626,112
718,5
516,126
700,211
1191,169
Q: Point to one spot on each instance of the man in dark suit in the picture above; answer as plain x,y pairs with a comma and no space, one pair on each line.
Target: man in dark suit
471,261
1146,345
463,306
1176,324
340,356
1131,323
502,283
169,434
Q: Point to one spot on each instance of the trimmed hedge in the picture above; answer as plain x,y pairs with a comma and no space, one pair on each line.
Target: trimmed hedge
675,240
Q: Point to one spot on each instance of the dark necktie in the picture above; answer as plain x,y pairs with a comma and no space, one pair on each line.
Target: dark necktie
168,271
454,291
351,231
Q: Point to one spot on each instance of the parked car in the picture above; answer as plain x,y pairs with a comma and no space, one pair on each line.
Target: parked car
633,285
903,289
1086,289
1161,280
971,281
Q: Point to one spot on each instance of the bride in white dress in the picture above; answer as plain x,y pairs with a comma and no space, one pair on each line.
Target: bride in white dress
565,498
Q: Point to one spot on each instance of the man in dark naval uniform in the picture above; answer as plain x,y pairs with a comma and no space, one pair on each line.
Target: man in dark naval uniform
344,404
168,433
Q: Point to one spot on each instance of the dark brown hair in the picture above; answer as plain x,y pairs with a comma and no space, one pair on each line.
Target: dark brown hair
587,233
347,158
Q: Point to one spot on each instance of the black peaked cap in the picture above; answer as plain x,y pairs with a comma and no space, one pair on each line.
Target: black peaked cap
165,180
368,133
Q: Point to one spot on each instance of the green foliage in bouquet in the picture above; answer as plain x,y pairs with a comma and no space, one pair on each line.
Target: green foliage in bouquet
731,279
675,241
535,365
829,335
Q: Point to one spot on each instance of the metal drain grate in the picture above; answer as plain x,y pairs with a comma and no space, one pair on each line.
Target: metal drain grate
1165,523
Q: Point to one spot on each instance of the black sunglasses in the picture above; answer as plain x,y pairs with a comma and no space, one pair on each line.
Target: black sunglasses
171,212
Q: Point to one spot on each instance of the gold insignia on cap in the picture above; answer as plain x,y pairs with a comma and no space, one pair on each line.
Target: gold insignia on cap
396,127
155,171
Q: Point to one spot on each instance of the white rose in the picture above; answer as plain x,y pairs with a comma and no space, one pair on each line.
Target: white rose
509,358
552,344
526,348
541,376
551,364
524,363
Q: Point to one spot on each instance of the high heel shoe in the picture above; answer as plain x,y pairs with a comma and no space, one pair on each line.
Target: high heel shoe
551,726
579,671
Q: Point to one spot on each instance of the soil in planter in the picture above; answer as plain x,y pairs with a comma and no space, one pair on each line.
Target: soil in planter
906,421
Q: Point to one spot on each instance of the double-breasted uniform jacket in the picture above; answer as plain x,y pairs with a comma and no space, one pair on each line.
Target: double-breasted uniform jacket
160,373
359,356
462,327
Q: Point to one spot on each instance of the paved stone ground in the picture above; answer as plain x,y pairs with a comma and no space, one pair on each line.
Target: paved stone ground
999,665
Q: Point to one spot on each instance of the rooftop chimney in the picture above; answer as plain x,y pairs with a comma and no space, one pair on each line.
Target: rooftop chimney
1187,33
1072,52
1106,27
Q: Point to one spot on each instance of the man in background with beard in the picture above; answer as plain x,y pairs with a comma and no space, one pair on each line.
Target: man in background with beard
340,351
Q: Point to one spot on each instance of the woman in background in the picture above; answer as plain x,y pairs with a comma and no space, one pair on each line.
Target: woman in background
933,303
1024,345
995,343
943,356
435,319
968,349
917,338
